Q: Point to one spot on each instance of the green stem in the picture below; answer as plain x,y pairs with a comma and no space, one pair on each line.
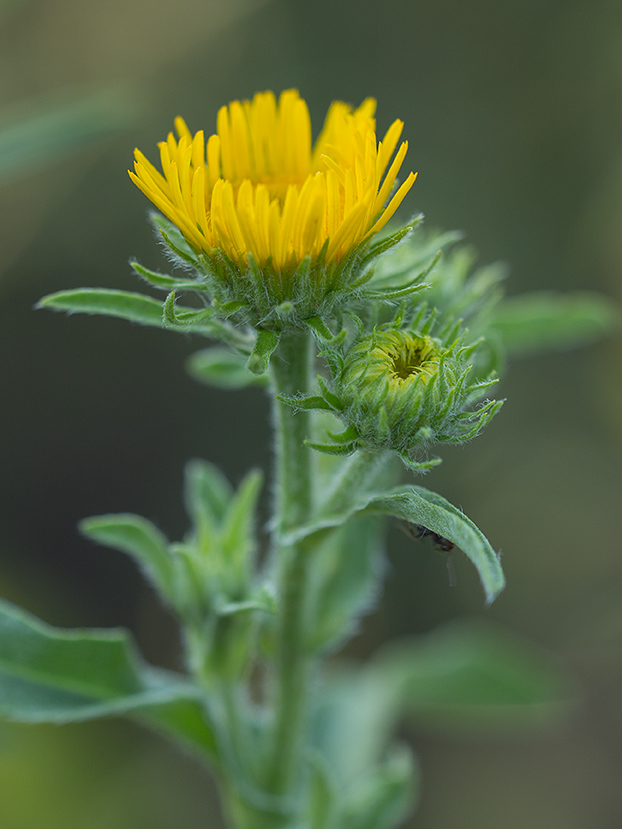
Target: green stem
291,369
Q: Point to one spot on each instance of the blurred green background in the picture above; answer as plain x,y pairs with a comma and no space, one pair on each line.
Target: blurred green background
513,111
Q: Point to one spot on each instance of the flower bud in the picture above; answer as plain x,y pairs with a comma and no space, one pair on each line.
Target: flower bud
403,390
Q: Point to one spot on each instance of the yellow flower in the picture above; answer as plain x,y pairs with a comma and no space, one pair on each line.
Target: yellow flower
258,187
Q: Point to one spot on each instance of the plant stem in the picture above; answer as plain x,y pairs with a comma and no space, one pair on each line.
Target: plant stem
291,366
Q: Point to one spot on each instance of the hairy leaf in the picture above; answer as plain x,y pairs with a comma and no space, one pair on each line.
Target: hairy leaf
418,505
137,537
55,675
543,321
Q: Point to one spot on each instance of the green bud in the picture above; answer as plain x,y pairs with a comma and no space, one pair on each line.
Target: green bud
403,390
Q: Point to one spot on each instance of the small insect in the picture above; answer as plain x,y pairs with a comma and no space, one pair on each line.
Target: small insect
439,542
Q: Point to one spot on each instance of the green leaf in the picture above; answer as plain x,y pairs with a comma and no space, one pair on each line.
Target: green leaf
175,315
333,448
183,717
323,334
322,800
421,506
265,345
384,797
174,239
42,130
207,495
112,303
264,602
392,240
99,663
311,403
54,675
543,321
223,368
472,674
346,573
237,533
165,282
139,538
139,308
352,721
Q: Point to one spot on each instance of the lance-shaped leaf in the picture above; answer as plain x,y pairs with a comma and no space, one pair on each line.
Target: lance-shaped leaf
111,303
421,506
383,245
207,495
165,282
47,128
543,321
323,334
141,309
54,675
472,674
466,675
99,663
418,505
139,538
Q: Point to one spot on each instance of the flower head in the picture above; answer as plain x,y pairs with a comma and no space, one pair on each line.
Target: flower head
259,195
402,390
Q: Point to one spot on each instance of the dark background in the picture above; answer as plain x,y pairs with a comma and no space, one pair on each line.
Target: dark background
513,111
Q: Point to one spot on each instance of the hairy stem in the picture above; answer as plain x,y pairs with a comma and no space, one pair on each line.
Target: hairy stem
291,368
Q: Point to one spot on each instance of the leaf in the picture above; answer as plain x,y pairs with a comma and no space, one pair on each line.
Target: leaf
347,571
183,717
45,129
174,240
99,663
323,334
165,282
421,506
223,368
122,304
386,795
237,533
392,240
264,347
207,494
263,601
472,674
139,308
54,675
465,675
352,721
311,403
543,321
139,538
322,800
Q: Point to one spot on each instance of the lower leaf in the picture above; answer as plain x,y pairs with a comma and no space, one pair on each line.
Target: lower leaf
53,675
